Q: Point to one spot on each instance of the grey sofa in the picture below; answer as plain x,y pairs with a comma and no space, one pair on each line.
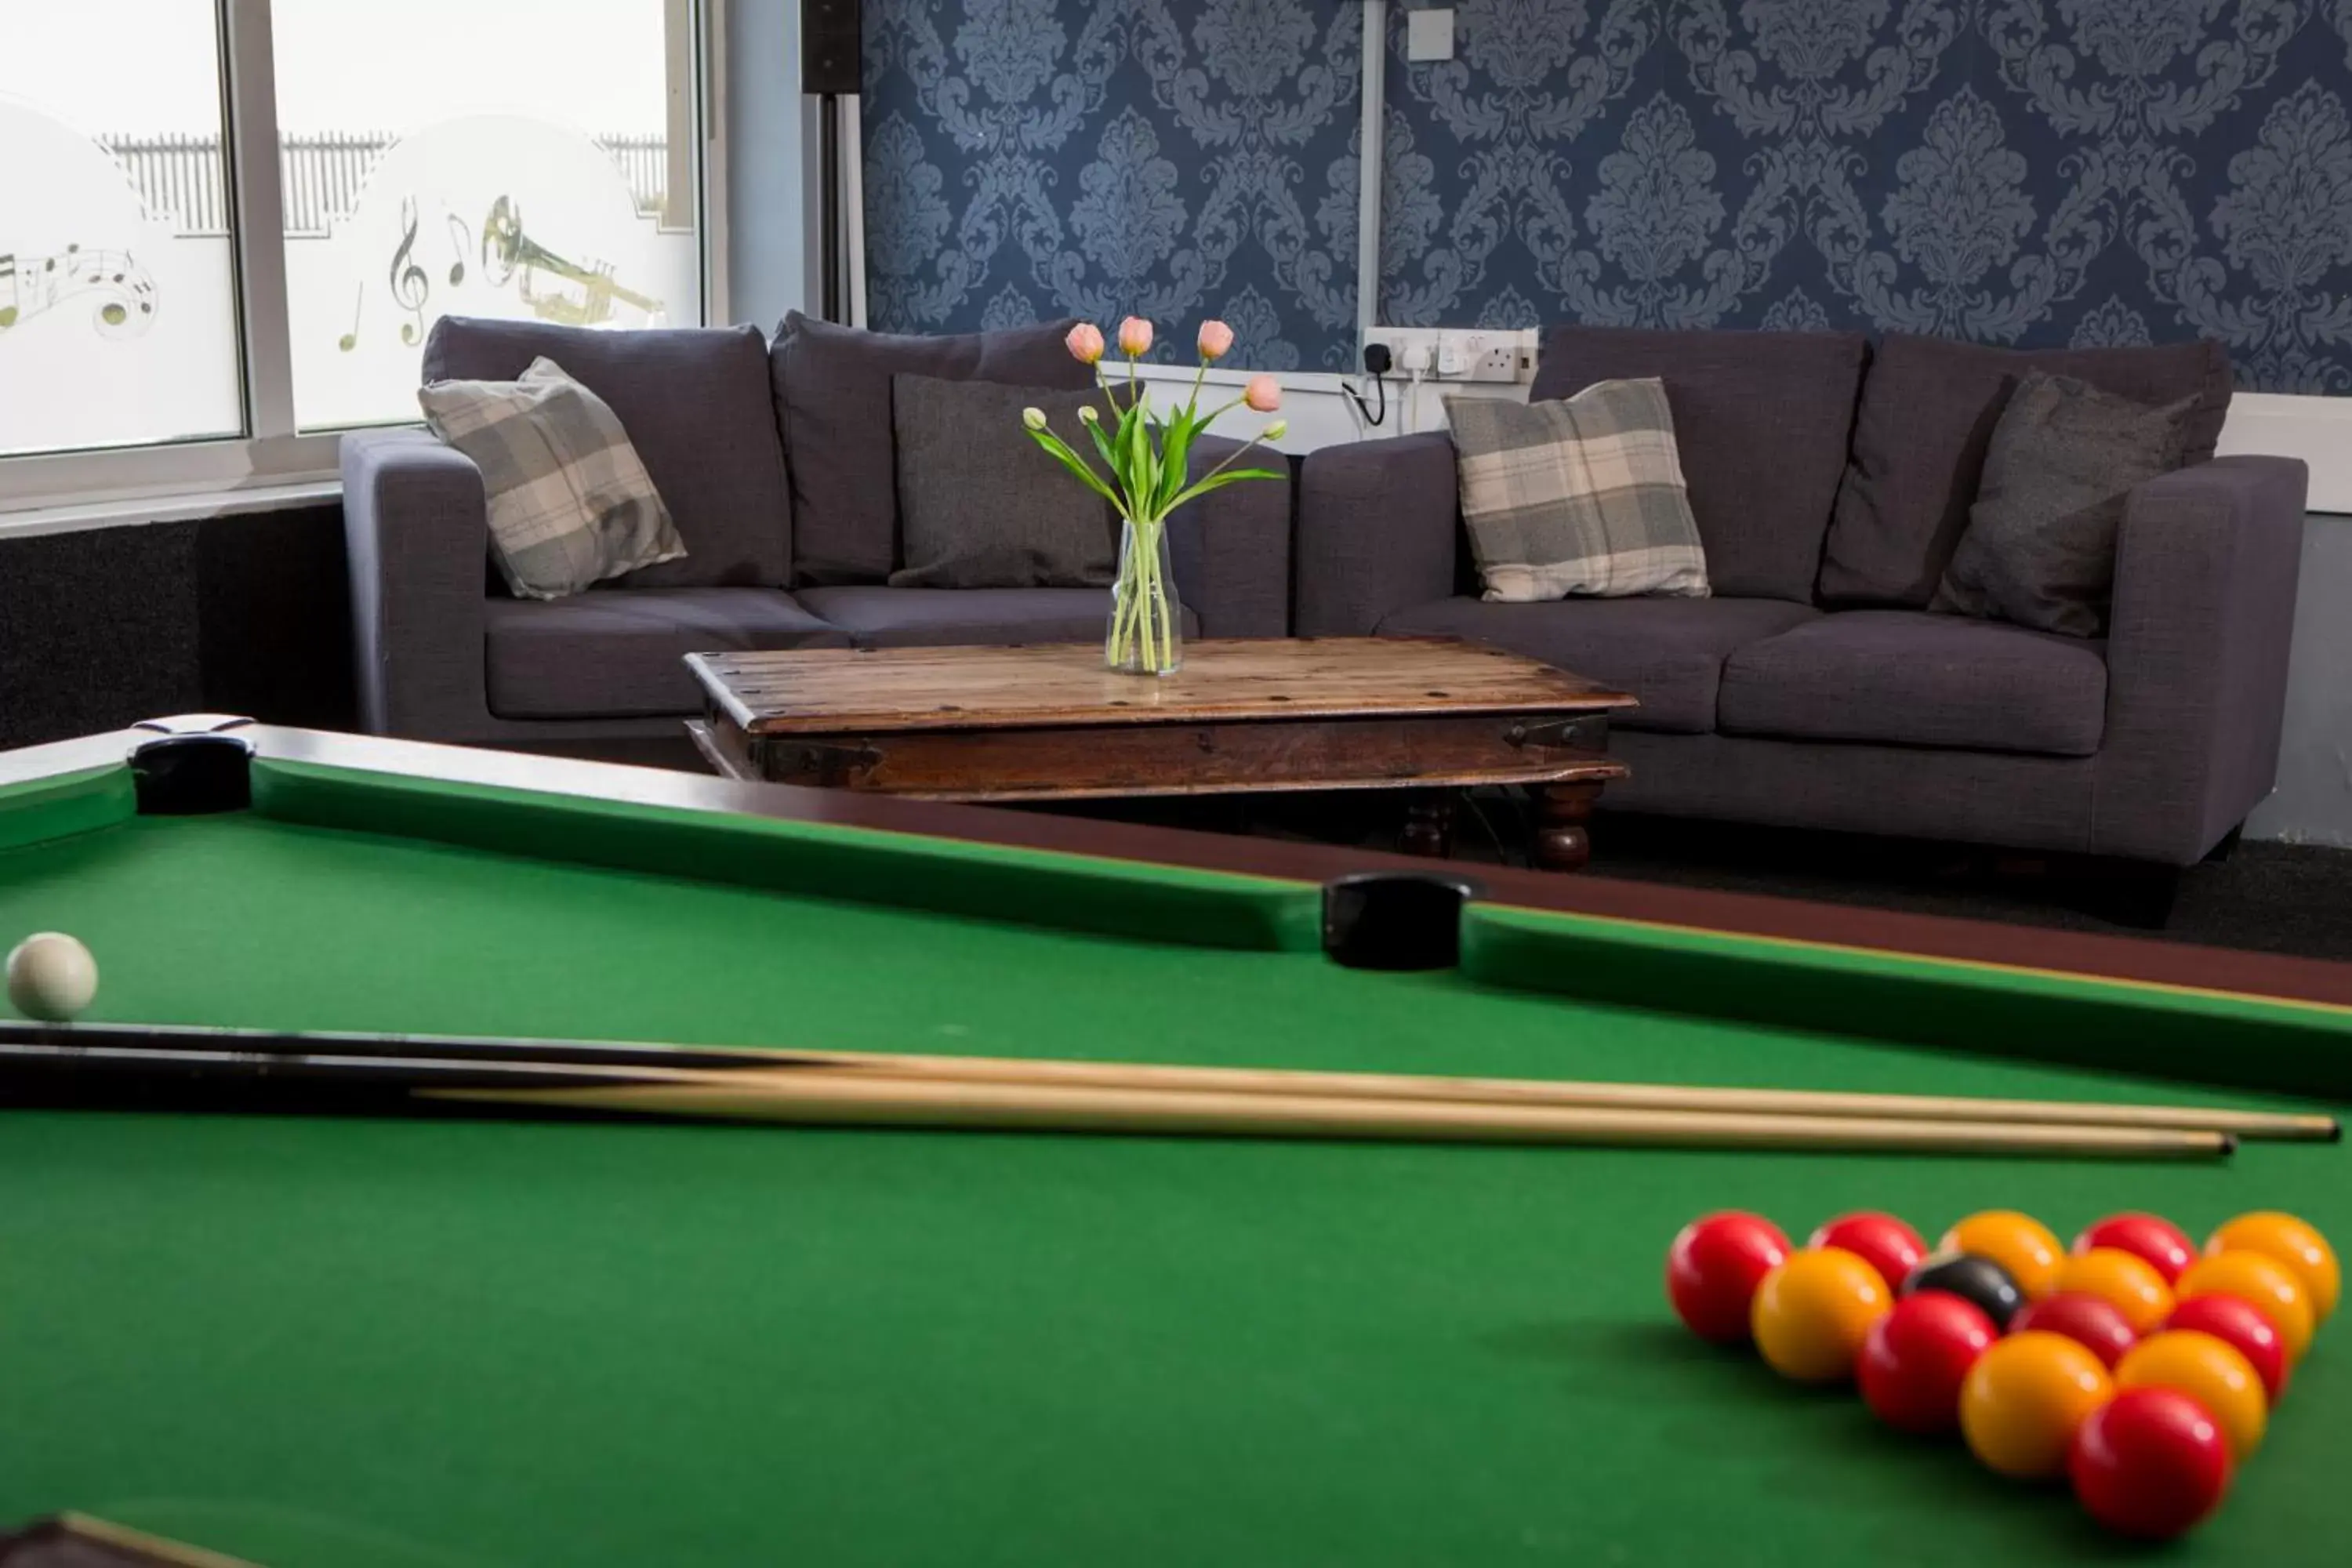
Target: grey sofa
776,461
1830,484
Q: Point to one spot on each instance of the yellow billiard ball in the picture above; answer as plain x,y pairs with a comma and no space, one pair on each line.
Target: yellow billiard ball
2023,1399
2130,1284
2209,1370
2018,1242
2269,1286
2290,1241
1813,1311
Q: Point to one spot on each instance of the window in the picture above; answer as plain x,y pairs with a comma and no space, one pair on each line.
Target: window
118,303
509,158
535,160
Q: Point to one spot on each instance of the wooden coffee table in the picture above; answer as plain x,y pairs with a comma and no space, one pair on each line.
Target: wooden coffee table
1049,722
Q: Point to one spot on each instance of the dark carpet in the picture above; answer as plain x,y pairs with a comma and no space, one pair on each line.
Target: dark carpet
2265,896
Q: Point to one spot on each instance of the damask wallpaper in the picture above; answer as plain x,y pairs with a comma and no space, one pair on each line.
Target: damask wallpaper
2017,172
1171,158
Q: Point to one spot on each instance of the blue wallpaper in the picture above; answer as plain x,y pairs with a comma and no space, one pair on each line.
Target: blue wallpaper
2018,171
1175,159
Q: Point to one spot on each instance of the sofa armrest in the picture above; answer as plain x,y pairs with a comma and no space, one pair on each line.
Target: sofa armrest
1376,529
2197,657
1231,548
416,534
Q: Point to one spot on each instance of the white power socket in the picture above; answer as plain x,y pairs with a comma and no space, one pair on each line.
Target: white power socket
1501,362
1475,354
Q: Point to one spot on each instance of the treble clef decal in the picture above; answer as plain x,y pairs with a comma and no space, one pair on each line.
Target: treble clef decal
410,287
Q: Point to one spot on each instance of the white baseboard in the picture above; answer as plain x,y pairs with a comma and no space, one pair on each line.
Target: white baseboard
1320,413
2317,429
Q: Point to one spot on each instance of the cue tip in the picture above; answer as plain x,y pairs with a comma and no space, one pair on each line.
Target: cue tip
2230,1144
2334,1131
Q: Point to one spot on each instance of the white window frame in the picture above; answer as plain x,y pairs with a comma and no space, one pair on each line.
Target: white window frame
274,453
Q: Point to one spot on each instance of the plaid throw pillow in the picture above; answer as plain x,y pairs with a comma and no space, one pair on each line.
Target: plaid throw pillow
571,503
1582,495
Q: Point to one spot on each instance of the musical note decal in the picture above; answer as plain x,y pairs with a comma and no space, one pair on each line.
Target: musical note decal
32,284
461,241
590,299
350,340
410,287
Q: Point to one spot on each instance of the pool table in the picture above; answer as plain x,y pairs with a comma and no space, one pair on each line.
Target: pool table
403,1342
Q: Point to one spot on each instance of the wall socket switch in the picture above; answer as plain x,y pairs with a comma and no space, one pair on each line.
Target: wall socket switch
1501,355
1500,361
1476,356
1429,35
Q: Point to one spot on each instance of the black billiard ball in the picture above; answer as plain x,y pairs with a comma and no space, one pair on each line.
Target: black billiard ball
1973,1279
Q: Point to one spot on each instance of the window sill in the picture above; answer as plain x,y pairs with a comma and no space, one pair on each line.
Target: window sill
178,506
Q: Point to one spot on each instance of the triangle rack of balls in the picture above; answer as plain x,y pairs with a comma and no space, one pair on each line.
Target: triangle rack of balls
2132,1364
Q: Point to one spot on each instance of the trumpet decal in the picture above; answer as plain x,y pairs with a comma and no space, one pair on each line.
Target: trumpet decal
579,297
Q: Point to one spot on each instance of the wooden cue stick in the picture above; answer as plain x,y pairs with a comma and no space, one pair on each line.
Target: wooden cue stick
2259,1124
133,1545
30,1037
863,1098
646,1086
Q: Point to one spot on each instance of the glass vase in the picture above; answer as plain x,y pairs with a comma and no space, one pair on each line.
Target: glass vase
1147,623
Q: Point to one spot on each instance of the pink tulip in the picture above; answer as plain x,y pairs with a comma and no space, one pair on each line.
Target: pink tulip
1216,339
1263,394
1084,342
1134,337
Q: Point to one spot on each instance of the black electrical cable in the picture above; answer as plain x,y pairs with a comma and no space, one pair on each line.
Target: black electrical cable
1377,362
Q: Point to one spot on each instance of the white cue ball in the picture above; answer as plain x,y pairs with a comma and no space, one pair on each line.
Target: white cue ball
51,976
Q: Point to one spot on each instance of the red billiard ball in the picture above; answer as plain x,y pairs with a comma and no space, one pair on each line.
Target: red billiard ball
1712,1269
1881,1240
2239,1323
2163,1245
2091,1322
2149,1462
1916,1358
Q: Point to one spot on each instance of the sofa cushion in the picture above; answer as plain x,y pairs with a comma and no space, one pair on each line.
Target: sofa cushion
1911,678
570,501
1929,408
1668,653
1761,422
612,653
1576,497
833,399
937,618
695,403
982,504
2039,547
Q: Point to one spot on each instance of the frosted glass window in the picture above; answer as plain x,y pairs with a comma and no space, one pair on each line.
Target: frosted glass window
523,159
117,314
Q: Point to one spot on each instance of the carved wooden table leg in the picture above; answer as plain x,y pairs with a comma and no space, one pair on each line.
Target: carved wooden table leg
1562,843
1428,823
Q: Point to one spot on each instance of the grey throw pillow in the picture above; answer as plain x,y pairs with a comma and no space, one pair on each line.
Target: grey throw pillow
1925,419
569,503
2040,549
697,406
833,403
981,505
1579,495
